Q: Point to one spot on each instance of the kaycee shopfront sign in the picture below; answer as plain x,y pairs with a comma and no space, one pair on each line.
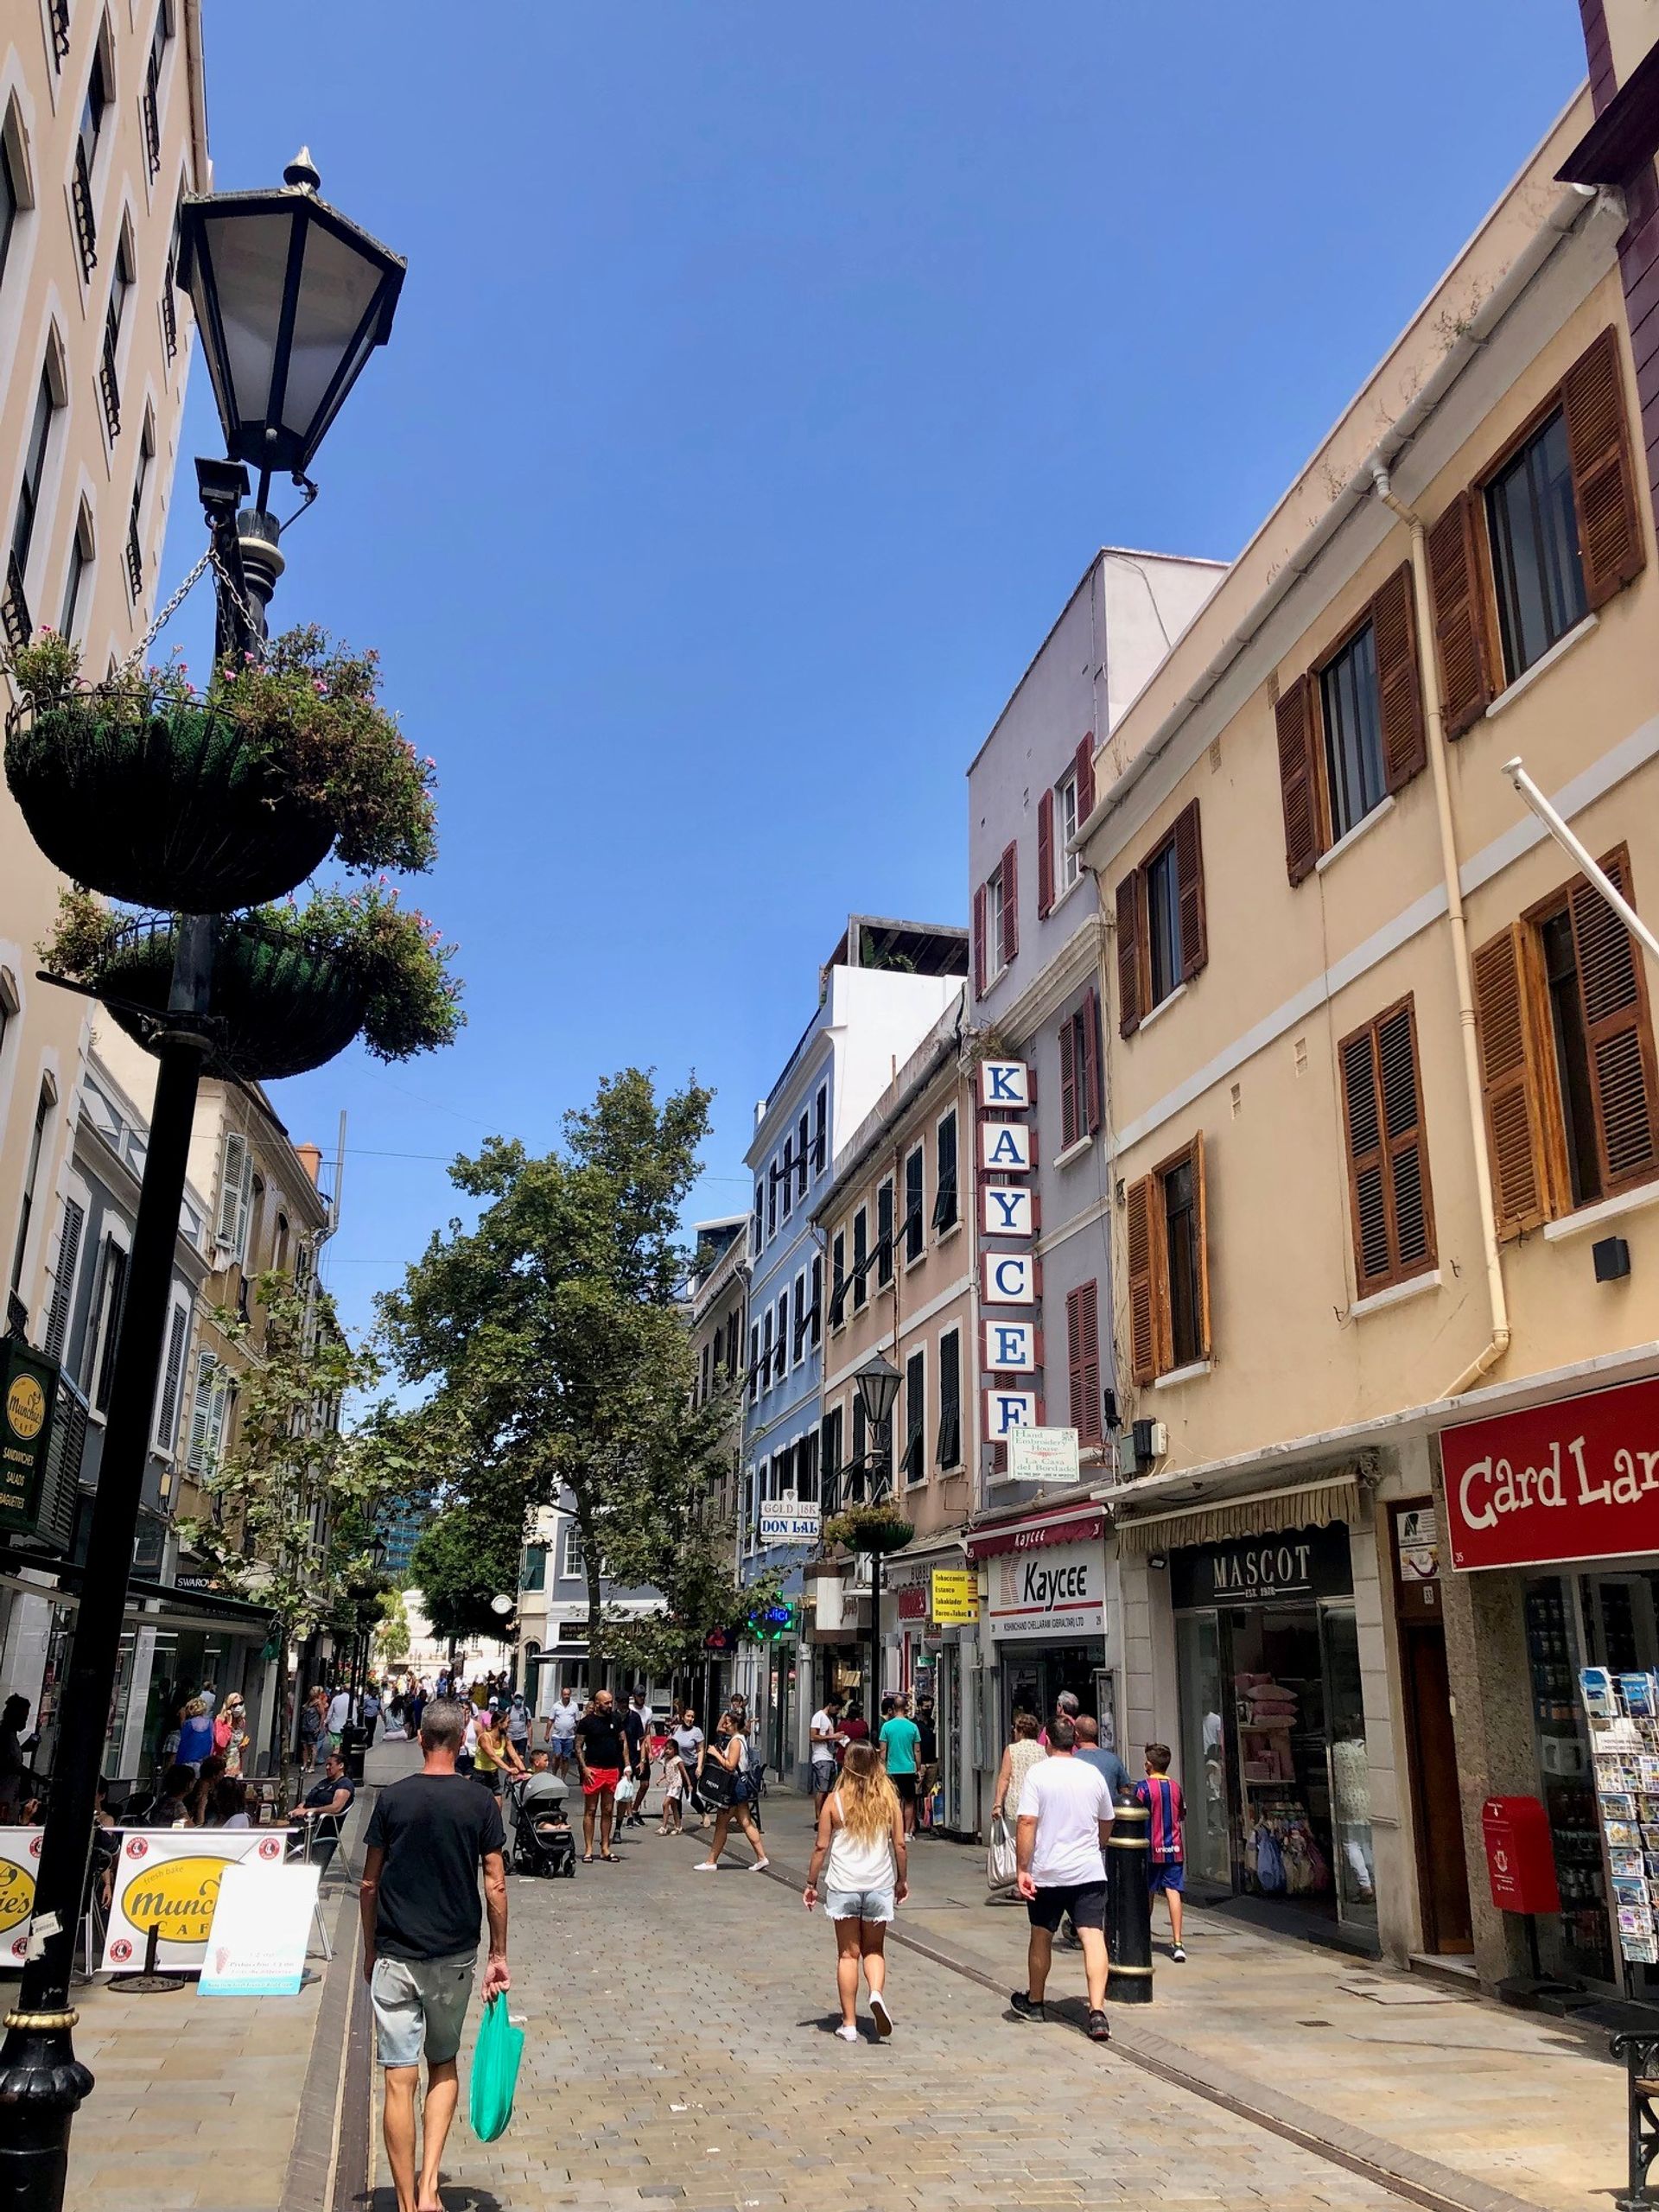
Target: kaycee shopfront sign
1575,1479
1057,1590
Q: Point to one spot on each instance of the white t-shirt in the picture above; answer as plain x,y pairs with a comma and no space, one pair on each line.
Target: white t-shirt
563,1718
1068,1801
824,1744
339,1711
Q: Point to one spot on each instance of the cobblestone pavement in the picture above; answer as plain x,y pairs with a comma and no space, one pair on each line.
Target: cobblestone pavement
681,2054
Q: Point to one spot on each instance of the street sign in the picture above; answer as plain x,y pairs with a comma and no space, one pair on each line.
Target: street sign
783,1522
1042,1455
262,1920
955,1594
29,1382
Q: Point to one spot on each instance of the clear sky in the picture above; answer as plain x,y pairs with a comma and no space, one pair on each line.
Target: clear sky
765,376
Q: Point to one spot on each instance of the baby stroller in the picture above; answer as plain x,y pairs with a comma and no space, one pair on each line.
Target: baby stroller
542,1839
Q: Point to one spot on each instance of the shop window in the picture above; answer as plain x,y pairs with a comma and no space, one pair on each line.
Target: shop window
1390,1203
1566,1056
1168,1267
1162,935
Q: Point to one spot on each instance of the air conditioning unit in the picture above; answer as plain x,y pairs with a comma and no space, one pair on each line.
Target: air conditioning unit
1141,1446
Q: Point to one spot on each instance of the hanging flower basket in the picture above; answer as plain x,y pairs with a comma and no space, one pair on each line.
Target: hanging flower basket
869,1528
146,791
281,1004
175,808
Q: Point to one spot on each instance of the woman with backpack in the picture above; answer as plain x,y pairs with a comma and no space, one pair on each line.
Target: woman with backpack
726,1780
860,1852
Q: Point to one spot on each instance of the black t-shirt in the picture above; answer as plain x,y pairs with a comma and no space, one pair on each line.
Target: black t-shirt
325,1792
927,1730
436,1830
603,1740
634,1722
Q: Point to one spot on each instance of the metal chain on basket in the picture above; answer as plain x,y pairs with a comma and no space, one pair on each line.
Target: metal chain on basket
209,560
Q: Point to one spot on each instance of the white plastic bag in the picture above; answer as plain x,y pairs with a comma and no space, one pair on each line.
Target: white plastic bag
1002,1865
624,1790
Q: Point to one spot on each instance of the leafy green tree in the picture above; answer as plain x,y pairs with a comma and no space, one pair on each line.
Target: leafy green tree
552,1330
468,1554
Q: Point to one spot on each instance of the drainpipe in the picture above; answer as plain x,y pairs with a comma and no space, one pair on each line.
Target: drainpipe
1434,716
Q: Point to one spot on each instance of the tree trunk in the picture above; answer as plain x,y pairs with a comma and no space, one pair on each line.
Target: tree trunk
596,1616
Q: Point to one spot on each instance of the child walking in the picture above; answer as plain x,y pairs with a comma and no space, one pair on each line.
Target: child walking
1166,1852
674,1789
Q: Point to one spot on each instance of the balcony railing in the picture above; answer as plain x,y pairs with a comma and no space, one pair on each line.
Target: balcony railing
86,228
135,562
169,315
109,385
60,30
14,608
152,120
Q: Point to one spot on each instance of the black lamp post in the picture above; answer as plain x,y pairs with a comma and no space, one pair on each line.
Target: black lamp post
290,301
877,1390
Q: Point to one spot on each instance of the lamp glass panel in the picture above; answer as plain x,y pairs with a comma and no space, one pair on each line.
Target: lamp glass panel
247,258
337,288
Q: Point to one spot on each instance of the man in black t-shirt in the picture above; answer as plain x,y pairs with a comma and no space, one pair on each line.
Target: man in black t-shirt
637,1722
428,1837
601,1757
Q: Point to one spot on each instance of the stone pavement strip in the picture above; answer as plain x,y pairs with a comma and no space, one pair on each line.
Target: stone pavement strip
681,2053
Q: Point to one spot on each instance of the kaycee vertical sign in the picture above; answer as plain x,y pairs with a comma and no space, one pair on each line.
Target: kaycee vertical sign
1576,1479
1010,1275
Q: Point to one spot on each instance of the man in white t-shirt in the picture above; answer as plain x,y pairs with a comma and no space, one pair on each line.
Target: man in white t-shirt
340,1711
561,1732
826,1734
1065,1822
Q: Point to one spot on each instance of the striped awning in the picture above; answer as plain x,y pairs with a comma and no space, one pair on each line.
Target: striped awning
1334,1496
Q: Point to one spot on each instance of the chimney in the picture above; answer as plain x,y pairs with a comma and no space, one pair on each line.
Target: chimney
310,1158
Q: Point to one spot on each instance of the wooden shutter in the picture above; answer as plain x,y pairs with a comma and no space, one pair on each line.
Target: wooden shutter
1454,583
1128,954
1189,878
1394,629
1069,1127
1143,1331
1510,1066
1604,487
1044,856
1298,779
1388,1194
234,1179
1083,1358
201,1407
1010,905
1085,773
1089,1074
63,1278
1617,1033
979,942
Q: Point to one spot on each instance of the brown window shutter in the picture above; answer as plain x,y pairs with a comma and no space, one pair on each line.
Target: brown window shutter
1128,954
1143,1333
1044,856
1206,1340
1510,1073
1069,1130
1074,1355
1454,578
1603,486
1089,1074
1083,1358
1010,905
1085,772
979,942
1298,779
1617,1031
1189,877
1394,626
1368,1202
1388,1195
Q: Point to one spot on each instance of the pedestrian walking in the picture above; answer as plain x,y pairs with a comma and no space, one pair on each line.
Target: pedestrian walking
230,1738
855,1728
1166,1847
859,1852
1065,1822
687,1739
495,1756
1019,1754
429,1836
1067,1706
371,1713
314,1728
601,1759
340,1715
676,1788
727,1780
196,1732
1092,1752
18,1780
899,1741
562,1736
927,1753
825,1731
637,1723
518,1720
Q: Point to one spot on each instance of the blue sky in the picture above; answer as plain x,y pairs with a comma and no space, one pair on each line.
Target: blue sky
764,378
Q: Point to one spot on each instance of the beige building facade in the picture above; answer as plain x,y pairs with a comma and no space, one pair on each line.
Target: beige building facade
1382,1077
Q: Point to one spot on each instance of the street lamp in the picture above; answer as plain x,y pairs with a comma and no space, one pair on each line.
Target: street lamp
292,299
878,1383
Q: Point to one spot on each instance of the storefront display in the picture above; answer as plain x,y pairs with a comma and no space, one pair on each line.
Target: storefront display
1272,1722
1045,1609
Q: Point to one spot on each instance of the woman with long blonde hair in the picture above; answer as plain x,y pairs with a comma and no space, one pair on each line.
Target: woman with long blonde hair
861,1836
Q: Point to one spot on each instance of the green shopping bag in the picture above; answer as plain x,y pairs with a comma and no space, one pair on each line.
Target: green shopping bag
495,2070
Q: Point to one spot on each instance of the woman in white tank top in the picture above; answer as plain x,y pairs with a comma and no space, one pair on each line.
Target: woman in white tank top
859,1852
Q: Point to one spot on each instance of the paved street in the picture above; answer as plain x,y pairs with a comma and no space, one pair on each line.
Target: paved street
681,2052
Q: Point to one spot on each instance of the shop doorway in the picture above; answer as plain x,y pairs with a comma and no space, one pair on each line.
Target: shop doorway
1432,1759
1031,1681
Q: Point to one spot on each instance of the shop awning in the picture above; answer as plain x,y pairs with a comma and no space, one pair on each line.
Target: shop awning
1062,1525
1299,1505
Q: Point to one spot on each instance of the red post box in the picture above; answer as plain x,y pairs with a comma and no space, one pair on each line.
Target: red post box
1520,1858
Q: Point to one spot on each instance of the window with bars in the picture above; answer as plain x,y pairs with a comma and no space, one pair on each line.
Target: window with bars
915,1218
1390,1203
945,1212
155,61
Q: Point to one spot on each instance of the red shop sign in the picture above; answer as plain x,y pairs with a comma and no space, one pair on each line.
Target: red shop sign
1576,1479
1034,1535
913,1604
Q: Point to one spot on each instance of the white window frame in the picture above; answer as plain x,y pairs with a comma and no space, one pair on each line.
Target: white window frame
995,956
1067,866
573,1560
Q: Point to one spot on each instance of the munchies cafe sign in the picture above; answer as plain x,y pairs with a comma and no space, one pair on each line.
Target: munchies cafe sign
1577,1480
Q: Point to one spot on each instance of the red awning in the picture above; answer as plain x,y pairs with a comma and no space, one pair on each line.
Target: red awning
1068,1526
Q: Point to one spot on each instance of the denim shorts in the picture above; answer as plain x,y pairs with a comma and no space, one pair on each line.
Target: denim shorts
858,1905
420,2006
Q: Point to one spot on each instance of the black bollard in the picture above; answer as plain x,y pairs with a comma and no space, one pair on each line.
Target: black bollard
1640,2052
1129,1909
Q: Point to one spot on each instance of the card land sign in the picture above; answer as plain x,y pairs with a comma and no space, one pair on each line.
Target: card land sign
262,1922
168,1878
20,1853
1578,1478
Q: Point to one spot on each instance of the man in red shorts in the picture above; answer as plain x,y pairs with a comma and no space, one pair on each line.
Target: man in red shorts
601,1756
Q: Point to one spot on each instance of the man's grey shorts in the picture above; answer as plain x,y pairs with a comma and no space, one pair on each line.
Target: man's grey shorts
420,2006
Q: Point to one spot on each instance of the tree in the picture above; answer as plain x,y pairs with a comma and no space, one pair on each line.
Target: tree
552,1330
292,1497
392,1636
468,1554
